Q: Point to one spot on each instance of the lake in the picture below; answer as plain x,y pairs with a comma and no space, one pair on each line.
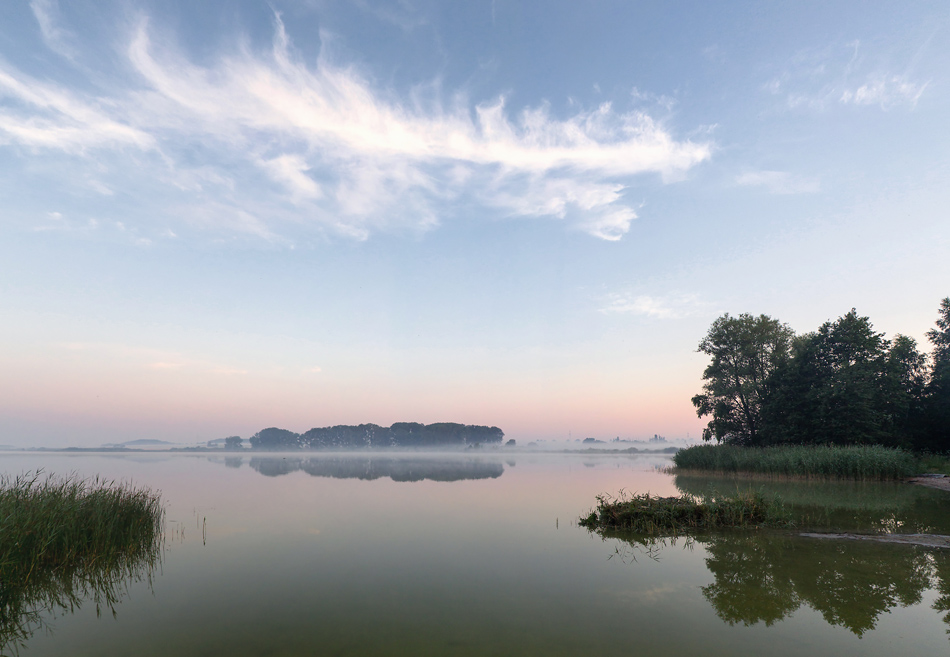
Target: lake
434,554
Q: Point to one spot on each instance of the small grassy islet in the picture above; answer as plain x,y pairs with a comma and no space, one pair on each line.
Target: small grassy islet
654,515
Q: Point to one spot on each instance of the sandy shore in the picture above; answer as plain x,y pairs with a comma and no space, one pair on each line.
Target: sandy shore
927,540
943,483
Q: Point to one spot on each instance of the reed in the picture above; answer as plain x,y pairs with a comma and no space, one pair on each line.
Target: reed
65,540
653,515
935,463
50,523
872,462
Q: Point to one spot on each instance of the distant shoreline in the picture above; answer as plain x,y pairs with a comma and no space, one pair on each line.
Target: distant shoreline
388,450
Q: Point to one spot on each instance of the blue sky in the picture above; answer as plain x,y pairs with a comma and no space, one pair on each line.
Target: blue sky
221,216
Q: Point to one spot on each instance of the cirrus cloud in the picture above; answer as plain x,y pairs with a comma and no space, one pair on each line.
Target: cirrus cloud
320,145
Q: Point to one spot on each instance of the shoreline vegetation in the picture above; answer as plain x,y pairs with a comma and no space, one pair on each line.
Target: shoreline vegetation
843,384
867,462
438,449
840,402
668,516
65,540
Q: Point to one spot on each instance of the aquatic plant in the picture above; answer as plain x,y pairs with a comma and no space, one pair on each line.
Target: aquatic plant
935,462
843,462
66,540
654,515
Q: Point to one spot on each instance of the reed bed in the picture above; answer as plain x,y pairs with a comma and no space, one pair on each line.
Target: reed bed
66,540
51,523
653,515
935,463
872,462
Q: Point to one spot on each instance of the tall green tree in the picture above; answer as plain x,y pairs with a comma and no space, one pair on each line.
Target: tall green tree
940,336
831,388
745,352
904,384
851,358
936,434
846,384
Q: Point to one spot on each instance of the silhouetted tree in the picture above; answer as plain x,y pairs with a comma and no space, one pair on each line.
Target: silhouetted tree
935,434
275,439
745,351
373,436
842,384
843,363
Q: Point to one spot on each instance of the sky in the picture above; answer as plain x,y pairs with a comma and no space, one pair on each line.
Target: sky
217,217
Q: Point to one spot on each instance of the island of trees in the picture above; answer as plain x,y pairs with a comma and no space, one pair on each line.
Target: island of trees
373,436
843,384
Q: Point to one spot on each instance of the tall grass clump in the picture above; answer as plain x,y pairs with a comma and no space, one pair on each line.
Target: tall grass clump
64,540
653,515
935,463
826,461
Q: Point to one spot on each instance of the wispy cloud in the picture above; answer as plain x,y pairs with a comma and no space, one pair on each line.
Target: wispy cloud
291,170
42,115
819,80
665,307
55,37
320,145
885,91
779,182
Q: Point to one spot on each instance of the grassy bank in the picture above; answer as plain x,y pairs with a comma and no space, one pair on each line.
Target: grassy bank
64,541
935,463
646,514
870,462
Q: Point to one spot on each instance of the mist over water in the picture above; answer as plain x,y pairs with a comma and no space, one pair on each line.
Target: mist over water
405,468
473,555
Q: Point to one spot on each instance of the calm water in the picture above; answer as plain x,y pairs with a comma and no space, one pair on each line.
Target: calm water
437,555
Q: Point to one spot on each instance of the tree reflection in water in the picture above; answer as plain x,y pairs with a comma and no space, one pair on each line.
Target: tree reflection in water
850,583
375,467
765,576
942,603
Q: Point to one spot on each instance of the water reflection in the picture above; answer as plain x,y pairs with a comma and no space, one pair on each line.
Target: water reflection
766,576
369,468
29,600
866,507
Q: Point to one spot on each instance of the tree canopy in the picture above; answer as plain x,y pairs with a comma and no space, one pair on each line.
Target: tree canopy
745,351
937,400
844,384
373,436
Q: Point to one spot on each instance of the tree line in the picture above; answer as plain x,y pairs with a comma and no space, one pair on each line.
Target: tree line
842,384
373,436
